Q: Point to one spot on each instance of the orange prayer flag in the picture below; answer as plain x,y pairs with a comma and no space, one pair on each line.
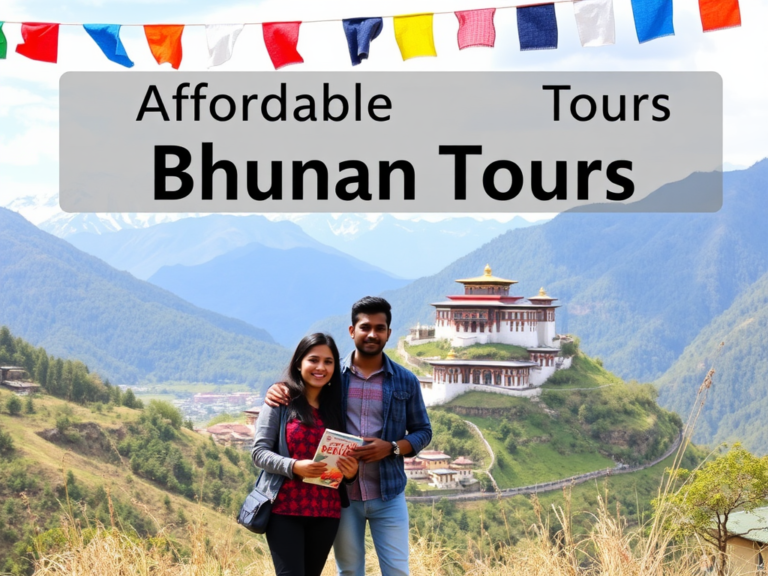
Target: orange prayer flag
718,14
165,42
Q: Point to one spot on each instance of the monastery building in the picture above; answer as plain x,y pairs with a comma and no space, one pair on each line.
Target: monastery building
487,314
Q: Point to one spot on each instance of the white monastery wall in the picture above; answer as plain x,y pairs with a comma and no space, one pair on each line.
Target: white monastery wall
547,334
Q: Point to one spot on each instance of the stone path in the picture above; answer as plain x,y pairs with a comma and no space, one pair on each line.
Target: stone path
554,485
490,451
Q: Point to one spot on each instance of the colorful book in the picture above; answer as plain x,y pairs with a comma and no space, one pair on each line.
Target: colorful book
333,445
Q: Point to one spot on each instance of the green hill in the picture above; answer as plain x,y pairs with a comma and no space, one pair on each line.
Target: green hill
76,306
737,402
68,460
586,419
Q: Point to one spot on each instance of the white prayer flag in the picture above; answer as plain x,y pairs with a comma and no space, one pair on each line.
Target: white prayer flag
221,42
595,22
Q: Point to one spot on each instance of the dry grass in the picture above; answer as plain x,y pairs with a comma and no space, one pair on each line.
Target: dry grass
611,548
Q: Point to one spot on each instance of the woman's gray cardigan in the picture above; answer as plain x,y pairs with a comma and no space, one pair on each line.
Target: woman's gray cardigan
277,465
270,436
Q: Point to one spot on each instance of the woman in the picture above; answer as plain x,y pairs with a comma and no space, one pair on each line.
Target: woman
305,517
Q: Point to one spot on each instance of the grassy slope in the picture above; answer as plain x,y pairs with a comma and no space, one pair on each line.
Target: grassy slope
587,419
538,462
48,464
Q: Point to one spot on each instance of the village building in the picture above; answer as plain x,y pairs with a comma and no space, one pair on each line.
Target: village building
436,468
251,415
15,378
463,467
444,478
415,469
231,434
487,314
748,552
434,459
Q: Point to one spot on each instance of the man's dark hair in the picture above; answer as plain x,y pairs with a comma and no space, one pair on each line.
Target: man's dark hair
371,305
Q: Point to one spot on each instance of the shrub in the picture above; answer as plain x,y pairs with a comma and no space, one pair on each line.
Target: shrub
29,407
6,442
13,405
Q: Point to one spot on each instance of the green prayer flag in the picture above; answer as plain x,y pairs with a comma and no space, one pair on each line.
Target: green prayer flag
3,42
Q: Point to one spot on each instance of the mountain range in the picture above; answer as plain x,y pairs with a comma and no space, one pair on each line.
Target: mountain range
283,290
407,248
128,330
188,241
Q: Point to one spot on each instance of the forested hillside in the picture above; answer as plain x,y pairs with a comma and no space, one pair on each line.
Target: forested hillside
738,399
637,288
76,306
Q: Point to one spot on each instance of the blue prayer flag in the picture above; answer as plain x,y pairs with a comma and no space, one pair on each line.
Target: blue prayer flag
107,37
537,27
653,19
360,33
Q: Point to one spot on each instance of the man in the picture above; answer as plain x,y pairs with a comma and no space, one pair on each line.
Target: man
383,404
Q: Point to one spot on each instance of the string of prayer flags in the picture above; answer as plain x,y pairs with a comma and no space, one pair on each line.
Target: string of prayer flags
360,32
653,19
537,27
40,42
476,28
281,39
3,43
107,37
165,43
719,14
221,42
595,22
414,37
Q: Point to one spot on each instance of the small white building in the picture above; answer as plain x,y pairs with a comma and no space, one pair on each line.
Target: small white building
444,478
415,469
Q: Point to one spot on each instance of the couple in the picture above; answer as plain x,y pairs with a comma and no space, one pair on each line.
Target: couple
366,395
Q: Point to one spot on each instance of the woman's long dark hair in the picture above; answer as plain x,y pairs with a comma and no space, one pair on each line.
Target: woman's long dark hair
330,395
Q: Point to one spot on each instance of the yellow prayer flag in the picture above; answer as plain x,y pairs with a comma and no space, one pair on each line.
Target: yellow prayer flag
414,35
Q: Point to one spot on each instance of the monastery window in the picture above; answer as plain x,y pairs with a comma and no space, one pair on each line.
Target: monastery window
487,378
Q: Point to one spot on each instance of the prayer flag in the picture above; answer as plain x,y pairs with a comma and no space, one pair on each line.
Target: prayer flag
107,37
221,42
165,43
653,19
40,41
360,32
414,35
476,28
537,27
595,22
281,39
719,14
3,42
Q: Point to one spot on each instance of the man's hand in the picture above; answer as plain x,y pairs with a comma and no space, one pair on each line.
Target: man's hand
376,449
308,468
277,395
348,466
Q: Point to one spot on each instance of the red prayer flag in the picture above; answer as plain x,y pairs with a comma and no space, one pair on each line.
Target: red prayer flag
281,39
718,14
165,43
41,41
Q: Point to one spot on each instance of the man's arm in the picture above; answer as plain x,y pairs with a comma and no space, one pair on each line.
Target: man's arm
417,425
277,395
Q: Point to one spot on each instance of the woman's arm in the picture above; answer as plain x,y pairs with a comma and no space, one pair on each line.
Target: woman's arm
266,441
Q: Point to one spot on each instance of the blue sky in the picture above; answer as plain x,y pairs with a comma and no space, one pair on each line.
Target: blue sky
29,90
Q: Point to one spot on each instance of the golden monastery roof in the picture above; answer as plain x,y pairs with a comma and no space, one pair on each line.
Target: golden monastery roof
487,278
542,295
